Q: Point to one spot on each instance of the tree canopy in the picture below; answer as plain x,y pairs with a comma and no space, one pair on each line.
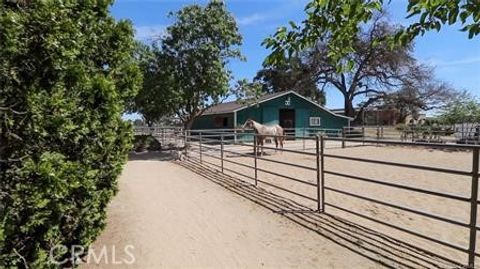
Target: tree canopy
464,109
147,101
364,57
190,71
340,21
378,74
67,73
296,75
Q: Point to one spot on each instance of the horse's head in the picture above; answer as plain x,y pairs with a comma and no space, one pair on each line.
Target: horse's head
248,124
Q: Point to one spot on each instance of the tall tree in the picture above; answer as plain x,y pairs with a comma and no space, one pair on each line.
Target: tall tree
66,74
376,71
422,94
192,72
293,75
148,102
463,109
340,21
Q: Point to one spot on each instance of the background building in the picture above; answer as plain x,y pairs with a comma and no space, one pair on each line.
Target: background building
288,109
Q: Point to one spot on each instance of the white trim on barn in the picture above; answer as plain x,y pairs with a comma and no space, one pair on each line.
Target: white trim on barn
299,95
315,121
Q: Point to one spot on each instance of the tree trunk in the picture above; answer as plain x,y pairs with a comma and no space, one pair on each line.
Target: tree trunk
349,110
187,125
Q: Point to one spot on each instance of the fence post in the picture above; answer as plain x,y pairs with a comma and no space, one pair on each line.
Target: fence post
473,209
343,137
317,147
221,151
200,145
255,156
185,142
378,135
322,169
304,135
477,132
363,135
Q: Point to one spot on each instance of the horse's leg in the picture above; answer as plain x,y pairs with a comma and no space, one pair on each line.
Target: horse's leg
276,143
261,145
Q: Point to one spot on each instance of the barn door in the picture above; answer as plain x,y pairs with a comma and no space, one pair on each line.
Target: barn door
287,121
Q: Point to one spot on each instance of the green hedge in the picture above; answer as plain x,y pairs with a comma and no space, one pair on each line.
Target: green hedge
66,74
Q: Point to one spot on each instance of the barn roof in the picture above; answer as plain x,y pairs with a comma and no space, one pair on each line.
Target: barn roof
234,106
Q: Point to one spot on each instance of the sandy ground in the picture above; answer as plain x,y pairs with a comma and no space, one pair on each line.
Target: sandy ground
172,217
434,181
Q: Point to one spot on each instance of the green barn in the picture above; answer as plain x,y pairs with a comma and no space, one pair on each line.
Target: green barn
289,109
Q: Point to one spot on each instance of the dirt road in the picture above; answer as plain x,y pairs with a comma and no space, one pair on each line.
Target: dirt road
167,216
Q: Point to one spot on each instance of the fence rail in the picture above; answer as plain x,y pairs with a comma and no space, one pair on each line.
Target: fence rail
212,145
445,135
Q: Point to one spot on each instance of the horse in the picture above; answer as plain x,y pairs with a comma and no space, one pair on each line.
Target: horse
264,131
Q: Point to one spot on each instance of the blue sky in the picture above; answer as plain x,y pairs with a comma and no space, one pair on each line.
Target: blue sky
456,58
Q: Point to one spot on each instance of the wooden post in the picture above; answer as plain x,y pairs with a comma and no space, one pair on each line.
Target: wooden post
473,209
343,137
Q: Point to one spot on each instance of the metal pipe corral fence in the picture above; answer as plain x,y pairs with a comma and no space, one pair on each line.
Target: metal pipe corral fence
201,142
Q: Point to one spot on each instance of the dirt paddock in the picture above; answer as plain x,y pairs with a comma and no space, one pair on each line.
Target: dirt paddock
434,181
189,215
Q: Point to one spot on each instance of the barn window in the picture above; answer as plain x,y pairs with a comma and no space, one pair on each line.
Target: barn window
314,121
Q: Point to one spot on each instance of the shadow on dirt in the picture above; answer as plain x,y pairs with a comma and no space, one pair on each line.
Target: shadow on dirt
378,247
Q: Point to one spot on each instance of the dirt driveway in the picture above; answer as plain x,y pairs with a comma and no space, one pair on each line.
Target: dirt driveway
182,215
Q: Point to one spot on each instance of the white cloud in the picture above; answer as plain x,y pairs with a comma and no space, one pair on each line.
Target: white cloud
149,32
251,19
457,62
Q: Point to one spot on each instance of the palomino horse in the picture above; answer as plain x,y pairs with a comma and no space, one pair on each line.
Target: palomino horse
264,131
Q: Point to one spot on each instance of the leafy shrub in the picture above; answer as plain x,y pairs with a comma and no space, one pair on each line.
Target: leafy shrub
66,74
